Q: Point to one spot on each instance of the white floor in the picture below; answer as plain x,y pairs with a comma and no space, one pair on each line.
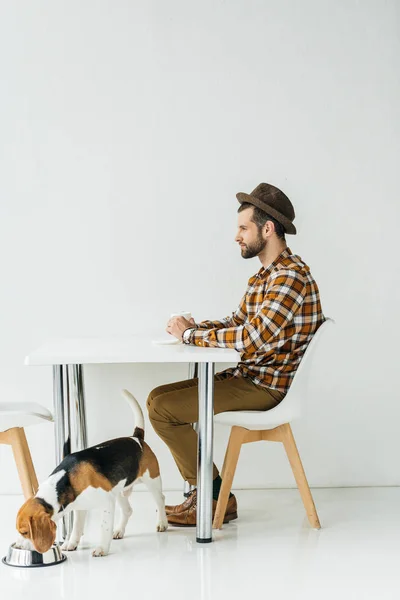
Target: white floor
269,551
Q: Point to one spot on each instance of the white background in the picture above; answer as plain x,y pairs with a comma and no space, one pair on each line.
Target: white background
126,128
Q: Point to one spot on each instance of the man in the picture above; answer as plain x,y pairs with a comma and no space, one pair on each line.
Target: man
272,327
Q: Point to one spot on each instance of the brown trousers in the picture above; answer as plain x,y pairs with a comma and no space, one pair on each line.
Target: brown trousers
174,407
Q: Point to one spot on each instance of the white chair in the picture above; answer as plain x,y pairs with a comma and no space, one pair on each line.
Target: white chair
271,425
14,416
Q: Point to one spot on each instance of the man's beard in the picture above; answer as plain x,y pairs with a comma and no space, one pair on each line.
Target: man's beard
255,248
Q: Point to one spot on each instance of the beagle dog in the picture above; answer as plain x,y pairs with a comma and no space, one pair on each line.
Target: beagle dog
100,476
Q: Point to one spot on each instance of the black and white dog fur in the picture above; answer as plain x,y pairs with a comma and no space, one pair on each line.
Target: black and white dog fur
98,477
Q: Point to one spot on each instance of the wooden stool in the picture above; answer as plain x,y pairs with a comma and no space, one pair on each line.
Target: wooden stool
14,416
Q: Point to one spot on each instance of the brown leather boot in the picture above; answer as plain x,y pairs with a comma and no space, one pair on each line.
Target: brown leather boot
192,497
187,517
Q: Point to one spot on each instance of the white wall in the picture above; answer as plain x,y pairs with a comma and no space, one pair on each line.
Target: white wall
126,130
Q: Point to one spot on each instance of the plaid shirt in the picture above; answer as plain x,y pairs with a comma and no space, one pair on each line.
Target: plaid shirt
272,326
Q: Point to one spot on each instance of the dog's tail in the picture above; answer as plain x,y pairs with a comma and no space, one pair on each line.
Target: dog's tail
137,411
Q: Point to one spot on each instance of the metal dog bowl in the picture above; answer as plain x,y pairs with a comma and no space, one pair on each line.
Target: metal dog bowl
17,557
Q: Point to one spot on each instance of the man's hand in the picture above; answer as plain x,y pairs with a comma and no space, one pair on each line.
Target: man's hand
177,325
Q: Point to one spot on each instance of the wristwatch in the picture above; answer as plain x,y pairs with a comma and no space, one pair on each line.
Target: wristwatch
187,335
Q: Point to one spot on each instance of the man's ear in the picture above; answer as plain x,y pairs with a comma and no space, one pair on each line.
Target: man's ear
269,228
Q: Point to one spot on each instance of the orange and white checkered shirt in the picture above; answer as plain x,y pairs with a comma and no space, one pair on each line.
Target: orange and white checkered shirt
273,325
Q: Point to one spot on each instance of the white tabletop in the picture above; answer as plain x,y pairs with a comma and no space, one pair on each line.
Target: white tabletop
123,349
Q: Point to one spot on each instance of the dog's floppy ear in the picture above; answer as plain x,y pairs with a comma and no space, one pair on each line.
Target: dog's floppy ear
43,531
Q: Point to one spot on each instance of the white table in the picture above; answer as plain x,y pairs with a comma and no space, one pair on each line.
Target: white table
69,355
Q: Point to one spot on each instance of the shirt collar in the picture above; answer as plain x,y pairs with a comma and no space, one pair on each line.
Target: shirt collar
265,271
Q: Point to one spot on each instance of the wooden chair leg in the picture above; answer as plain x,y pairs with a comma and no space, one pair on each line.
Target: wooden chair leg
31,468
299,475
18,441
228,471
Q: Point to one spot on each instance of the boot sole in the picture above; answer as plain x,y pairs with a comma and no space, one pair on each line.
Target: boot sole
227,519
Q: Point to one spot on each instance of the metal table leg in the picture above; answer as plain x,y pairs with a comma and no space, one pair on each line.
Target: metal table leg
78,407
62,420
69,409
205,453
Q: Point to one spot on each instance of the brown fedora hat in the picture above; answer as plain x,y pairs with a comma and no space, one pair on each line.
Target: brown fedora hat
272,201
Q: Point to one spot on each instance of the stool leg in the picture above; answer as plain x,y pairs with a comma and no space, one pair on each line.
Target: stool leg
28,458
18,447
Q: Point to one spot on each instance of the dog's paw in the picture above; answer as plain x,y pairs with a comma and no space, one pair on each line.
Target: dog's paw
99,551
118,534
69,546
162,526
64,545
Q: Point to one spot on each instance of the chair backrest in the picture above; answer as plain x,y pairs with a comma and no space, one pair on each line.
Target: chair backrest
296,396
290,407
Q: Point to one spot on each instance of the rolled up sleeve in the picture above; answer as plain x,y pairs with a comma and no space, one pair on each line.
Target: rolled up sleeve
284,296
